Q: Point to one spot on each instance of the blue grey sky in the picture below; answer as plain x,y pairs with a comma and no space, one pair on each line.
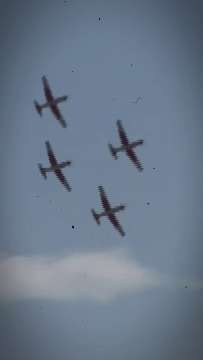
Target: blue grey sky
87,293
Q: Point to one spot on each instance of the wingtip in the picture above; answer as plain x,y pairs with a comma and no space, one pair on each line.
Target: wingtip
68,187
63,123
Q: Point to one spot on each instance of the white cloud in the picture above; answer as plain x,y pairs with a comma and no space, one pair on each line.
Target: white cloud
100,276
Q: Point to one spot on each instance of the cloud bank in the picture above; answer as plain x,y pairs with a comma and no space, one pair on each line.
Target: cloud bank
100,276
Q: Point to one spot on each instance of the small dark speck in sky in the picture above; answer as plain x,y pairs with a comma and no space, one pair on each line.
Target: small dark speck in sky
154,168
73,227
148,203
186,286
131,65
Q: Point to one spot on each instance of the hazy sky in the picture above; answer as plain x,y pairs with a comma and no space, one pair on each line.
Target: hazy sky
86,293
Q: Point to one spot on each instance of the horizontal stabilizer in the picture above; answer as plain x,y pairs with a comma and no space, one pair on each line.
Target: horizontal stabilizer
96,216
42,171
38,107
113,151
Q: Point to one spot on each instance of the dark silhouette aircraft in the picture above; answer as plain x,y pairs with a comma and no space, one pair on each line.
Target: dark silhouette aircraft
51,102
55,167
126,146
108,211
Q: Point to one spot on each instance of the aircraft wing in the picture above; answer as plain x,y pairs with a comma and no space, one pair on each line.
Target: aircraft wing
116,224
134,159
50,153
122,133
47,89
105,203
58,115
62,179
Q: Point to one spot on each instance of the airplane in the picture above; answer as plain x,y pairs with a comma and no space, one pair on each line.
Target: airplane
51,102
55,167
108,211
126,146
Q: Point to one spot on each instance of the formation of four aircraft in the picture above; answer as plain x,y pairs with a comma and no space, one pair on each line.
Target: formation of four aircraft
56,167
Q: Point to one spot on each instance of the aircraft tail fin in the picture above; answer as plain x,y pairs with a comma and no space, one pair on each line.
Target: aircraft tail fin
113,151
42,171
38,108
96,216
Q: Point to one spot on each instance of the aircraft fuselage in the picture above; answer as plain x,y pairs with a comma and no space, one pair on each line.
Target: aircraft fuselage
52,103
112,210
129,146
58,166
